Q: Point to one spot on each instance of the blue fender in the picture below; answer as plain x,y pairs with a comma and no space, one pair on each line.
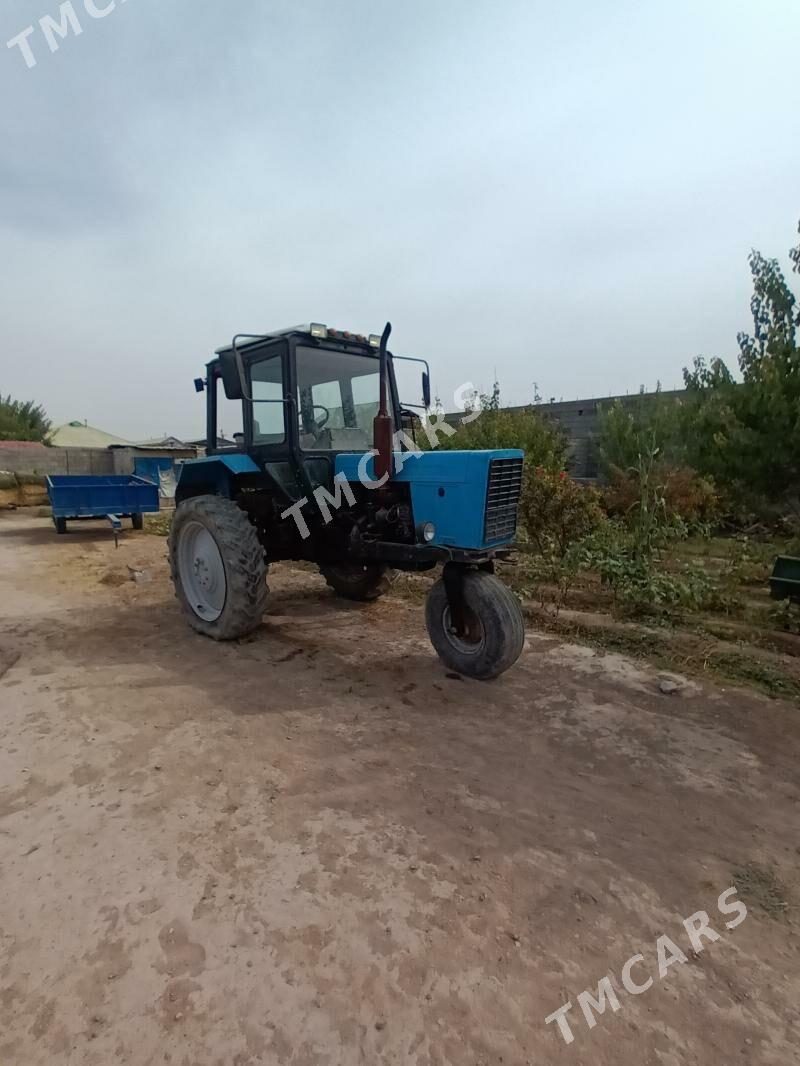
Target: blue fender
212,476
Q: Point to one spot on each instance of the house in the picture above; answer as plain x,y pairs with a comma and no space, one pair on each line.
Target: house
81,435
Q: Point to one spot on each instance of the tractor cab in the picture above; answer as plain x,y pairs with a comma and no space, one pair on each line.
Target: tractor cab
328,468
307,394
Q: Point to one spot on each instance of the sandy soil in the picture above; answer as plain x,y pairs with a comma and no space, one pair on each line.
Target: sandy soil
315,847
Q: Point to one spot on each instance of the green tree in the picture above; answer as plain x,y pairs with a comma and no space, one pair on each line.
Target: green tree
646,425
747,434
22,420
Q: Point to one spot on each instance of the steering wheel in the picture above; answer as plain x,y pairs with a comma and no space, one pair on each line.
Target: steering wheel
326,416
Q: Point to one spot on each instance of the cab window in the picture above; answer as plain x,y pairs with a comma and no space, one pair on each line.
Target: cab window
337,399
266,382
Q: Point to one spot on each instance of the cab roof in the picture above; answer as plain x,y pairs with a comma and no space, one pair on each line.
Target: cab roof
313,329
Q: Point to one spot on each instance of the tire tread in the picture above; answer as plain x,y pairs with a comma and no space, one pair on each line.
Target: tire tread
243,557
502,619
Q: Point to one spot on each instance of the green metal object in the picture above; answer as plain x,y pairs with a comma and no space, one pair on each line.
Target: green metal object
785,581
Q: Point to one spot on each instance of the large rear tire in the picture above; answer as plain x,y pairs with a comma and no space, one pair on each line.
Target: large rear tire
359,581
137,521
494,635
218,568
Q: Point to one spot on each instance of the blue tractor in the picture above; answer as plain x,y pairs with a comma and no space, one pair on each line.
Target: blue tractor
328,470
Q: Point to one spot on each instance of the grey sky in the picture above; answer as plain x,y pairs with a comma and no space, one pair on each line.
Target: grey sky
562,193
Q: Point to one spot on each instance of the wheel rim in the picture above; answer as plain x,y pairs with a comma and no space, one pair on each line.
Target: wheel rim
470,642
202,572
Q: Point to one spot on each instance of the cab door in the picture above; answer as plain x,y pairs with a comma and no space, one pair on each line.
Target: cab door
267,417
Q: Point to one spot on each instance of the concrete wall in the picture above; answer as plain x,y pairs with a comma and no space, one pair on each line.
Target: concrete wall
579,419
45,461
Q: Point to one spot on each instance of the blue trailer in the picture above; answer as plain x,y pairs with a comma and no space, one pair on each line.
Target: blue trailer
113,497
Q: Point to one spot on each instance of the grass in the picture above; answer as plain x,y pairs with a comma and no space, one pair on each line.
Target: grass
742,668
761,889
158,524
687,650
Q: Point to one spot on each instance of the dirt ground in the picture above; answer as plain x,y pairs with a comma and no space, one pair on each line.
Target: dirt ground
316,847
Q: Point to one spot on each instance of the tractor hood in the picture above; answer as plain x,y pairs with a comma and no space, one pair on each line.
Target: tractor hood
470,497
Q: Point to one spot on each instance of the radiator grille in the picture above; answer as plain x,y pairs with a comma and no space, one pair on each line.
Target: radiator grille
502,499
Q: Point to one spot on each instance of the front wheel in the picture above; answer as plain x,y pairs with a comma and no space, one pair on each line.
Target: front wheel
492,634
357,581
218,568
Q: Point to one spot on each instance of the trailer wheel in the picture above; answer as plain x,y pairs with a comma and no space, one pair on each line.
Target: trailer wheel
494,632
137,521
218,568
60,524
357,581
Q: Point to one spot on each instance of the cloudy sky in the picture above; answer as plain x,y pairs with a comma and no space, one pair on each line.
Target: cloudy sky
555,193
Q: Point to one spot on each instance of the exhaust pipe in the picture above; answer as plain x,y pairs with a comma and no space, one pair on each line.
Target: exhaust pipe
382,429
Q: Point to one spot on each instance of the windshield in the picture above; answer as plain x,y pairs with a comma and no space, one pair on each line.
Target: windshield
338,395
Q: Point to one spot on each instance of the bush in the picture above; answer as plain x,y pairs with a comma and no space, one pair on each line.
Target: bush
628,430
639,581
543,443
556,512
686,496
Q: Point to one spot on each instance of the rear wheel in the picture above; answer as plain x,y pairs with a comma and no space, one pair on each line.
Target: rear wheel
137,521
60,524
492,634
218,568
359,581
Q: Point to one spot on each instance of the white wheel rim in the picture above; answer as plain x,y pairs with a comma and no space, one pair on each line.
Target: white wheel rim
202,572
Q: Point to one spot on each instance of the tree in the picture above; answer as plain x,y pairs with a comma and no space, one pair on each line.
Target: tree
747,434
640,426
22,420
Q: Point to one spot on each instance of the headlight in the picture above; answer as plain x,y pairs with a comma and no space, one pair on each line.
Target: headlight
427,532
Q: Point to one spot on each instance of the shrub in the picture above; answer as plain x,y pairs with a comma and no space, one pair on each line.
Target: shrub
628,430
556,512
686,496
639,581
544,444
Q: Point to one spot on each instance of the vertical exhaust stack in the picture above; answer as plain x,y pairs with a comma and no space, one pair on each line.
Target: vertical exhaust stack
382,428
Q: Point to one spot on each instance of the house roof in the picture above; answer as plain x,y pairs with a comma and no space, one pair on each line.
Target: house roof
79,435
162,442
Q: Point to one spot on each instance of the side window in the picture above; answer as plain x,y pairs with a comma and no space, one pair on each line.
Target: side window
266,382
229,417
